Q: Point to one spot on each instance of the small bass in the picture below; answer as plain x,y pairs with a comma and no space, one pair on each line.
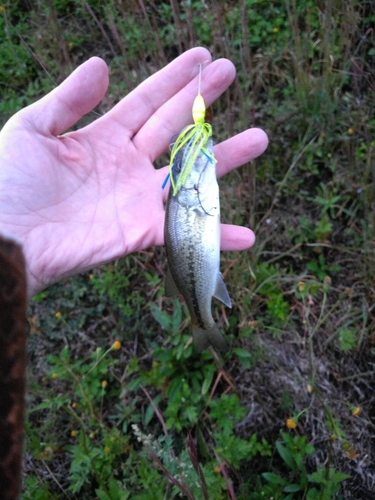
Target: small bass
192,239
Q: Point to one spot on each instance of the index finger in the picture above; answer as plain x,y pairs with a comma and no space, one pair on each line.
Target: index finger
77,95
139,106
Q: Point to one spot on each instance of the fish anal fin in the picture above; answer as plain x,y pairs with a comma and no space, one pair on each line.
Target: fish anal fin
221,291
204,338
170,287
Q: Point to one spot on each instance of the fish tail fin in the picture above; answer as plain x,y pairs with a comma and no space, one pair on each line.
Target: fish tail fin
204,338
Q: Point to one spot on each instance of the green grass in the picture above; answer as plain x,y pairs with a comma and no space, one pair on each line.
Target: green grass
153,419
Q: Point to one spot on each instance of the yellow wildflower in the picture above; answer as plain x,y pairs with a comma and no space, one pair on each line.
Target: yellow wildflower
58,314
275,30
116,345
217,469
54,375
291,423
104,383
301,286
107,449
2,8
350,131
356,411
73,433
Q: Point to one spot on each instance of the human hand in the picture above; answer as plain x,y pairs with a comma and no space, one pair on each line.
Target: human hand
87,197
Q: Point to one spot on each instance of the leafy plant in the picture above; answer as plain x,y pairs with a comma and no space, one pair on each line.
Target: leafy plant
294,452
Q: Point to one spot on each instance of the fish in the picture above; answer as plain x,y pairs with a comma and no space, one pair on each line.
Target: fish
192,240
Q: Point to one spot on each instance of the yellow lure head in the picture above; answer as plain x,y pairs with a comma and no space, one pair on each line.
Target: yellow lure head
199,110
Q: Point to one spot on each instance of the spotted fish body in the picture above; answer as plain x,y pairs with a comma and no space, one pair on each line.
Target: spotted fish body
192,239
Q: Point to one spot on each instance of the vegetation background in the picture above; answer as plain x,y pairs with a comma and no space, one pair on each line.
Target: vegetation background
119,405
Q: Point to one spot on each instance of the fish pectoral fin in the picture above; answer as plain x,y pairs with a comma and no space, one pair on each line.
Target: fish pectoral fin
204,338
170,286
221,291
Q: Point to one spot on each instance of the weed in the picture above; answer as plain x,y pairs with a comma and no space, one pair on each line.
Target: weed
324,483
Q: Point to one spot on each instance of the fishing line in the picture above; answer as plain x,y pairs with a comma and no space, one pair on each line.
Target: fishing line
200,78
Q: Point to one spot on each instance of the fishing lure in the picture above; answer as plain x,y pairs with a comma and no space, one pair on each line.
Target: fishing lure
194,137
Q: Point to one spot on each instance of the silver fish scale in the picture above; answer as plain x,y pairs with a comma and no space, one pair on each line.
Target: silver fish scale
192,238
194,265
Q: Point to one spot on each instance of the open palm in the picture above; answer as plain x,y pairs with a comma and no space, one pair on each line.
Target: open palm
86,197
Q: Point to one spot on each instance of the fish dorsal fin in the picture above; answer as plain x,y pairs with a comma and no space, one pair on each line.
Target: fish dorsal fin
221,291
170,286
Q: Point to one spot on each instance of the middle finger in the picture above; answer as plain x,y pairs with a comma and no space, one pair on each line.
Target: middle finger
175,114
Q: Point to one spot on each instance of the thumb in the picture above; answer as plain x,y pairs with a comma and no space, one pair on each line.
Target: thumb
73,98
